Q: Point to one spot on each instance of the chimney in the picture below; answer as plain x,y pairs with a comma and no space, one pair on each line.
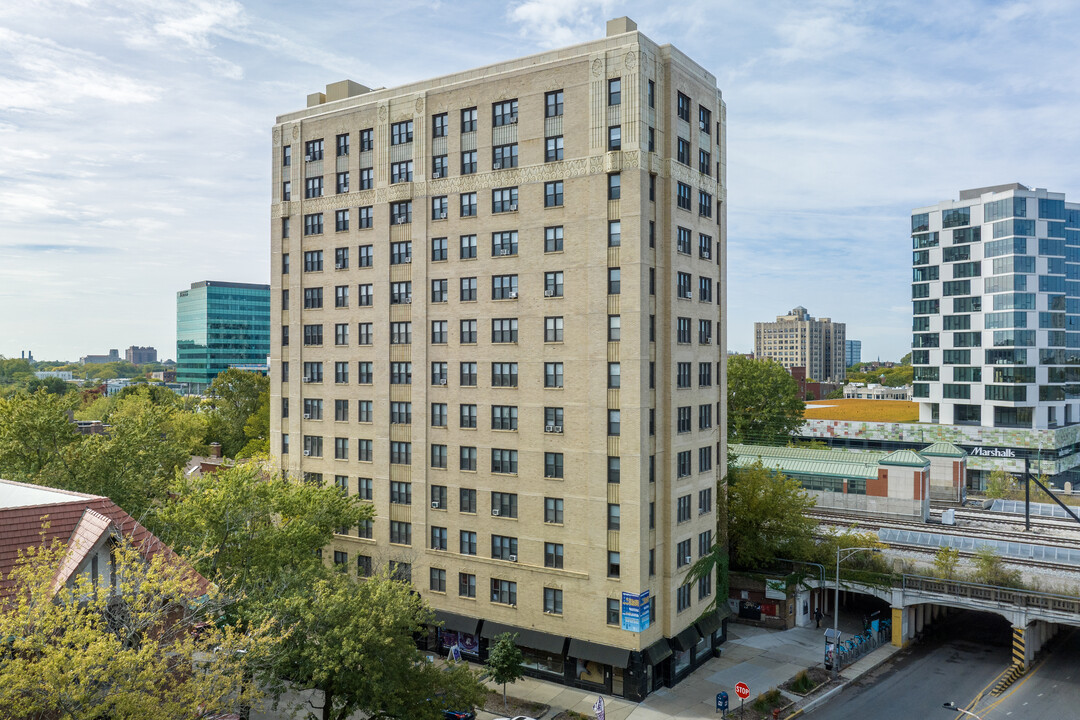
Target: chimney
215,450
620,25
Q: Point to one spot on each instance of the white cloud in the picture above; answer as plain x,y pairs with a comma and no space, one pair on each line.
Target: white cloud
555,23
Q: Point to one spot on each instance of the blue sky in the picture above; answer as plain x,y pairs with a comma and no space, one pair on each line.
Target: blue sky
136,137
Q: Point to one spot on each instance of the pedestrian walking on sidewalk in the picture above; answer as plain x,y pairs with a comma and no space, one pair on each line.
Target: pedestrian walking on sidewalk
817,617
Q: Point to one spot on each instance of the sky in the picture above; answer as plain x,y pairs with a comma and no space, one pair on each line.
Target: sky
136,138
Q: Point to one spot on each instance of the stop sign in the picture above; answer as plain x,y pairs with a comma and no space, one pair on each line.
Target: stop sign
742,690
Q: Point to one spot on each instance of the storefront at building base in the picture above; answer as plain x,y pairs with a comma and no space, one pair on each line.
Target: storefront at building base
619,672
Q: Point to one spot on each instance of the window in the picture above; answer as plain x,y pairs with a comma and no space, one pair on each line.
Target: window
400,453
439,332
704,163
614,564
312,298
438,208
614,333
553,555
504,243
401,332
553,148
313,371
341,334
365,529
682,464
504,157
705,247
366,295
438,456
313,445
553,193
341,557
341,448
439,291
613,422
614,520
705,502
682,152
613,610
504,417
400,413
553,239
400,293
553,601
440,167
438,249
341,373
553,511
313,224
467,459
342,182
467,370
468,205
614,138
504,330
467,415
401,212
553,465
438,373
401,493
614,186
614,91
467,584
502,374
614,376
286,156
468,120
365,222
683,107
401,132
438,576
682,509
400,373
682,198
504,505
438,414
553,284
705,204
504,200
313,150
683,419
683,287
468,162
704,332
440,125
553,419
504,461
401,171
704,416
467,501
553,329
682,375
504,287
400,533
682,554
553,103
553,374
503,591
504,113
614,281
614,233
682,598
313,334
312,409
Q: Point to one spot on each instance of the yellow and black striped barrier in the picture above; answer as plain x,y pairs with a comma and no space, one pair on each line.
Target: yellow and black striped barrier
1019,665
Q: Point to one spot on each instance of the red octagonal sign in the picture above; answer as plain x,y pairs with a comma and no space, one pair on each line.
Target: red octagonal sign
742,690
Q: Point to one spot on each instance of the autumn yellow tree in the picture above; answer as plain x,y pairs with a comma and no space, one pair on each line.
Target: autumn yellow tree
145,640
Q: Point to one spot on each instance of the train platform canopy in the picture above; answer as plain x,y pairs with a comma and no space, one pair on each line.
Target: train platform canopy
808,461
943,449
907,458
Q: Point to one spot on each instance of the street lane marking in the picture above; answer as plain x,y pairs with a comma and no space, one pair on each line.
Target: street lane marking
1031,673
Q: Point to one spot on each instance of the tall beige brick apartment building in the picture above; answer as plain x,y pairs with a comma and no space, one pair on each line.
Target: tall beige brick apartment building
502,311
799,340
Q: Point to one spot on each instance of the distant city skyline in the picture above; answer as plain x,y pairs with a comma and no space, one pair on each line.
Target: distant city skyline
137,136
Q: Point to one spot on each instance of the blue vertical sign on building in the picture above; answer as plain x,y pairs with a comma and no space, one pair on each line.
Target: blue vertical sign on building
635,611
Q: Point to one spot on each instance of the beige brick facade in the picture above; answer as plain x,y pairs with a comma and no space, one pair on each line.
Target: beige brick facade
799,340
583,298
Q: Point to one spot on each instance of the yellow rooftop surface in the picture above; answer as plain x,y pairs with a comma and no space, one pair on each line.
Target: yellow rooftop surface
900,411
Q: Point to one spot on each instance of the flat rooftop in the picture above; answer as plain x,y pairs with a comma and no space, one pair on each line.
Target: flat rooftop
897,411
16,495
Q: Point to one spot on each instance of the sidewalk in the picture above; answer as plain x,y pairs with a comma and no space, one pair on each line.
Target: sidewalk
761,658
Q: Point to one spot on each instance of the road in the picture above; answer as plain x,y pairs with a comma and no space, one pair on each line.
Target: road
953,667
1050,690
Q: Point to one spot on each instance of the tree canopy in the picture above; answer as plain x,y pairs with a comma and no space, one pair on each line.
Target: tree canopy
505,661
238,412
763,401
765,517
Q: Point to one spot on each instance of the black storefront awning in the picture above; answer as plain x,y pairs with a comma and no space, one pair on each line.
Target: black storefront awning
708,624
687,639
534,639
457,623
658,652
603,654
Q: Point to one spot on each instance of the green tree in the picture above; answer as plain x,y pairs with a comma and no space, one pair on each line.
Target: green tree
989,570
504,661
53,385
143,649
257,430
837,394
763,401
354,643
945,562
765,517
233,397
1001,485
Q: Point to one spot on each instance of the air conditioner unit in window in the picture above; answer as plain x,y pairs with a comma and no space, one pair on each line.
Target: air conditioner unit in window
687,560
504,251
435,504
442,381
549,428
306,453
557,428
496,166
513,207
309,158
408,259
549,293
436,175
512,120
442,215
701,124
307,379
399,219
512,558
307,416
513,295
339,266
408,300
495,511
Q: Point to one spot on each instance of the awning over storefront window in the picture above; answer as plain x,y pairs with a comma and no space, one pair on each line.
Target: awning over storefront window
457,623
687,639
658,652
603,654
526,638
708,624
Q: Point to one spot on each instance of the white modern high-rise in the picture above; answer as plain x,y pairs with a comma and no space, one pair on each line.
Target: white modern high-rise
996,309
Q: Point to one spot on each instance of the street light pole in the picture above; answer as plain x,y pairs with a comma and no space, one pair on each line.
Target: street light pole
836,610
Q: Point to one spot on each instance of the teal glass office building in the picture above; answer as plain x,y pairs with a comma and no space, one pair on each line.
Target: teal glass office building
219,325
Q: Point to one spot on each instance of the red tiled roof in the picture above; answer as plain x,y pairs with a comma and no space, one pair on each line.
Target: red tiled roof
22,527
